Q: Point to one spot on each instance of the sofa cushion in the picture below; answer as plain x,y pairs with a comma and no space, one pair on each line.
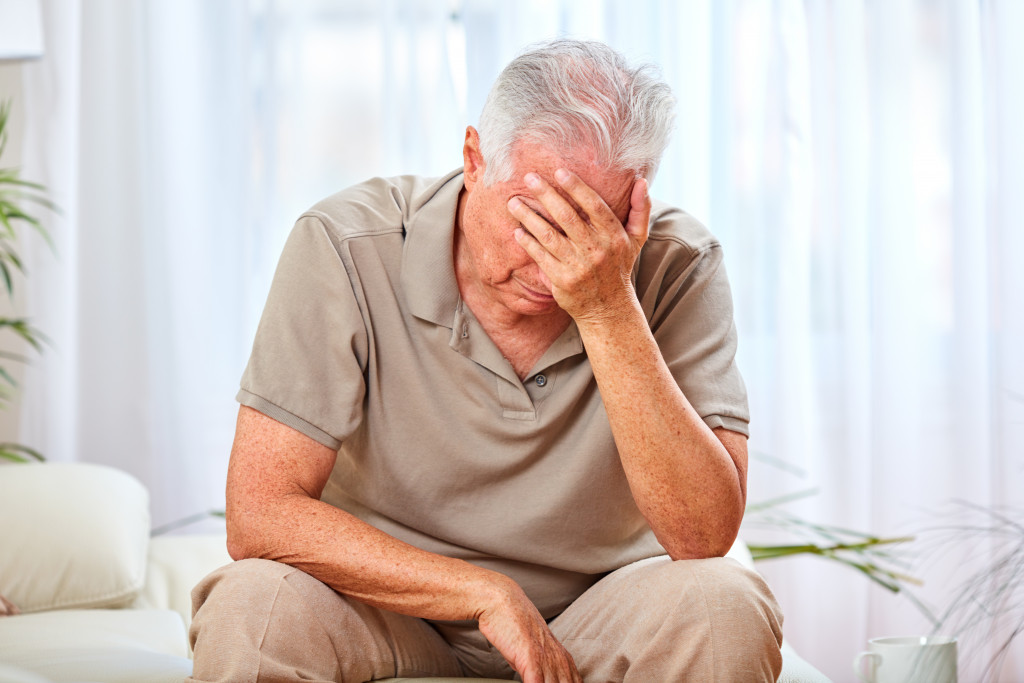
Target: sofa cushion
74,535
8,608
176,565
11,674
115,646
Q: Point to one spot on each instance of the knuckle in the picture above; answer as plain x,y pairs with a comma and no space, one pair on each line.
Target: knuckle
563,215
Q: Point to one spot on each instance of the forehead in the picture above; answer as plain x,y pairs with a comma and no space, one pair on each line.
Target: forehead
613,186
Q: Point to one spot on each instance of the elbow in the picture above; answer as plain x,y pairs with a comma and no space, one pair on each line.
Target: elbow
243,536
709,540
699,550
237,548
721,547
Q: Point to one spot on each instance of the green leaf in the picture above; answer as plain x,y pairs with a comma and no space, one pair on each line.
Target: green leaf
10,256
13,457
5,221
30,334
6,273
12,177
17,452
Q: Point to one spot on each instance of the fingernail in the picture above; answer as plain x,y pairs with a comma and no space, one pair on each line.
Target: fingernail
532,179
518,234
514,203
562,176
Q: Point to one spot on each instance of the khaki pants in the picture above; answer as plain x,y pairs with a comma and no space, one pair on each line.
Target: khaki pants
655,621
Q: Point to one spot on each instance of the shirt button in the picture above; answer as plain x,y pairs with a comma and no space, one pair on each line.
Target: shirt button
541,380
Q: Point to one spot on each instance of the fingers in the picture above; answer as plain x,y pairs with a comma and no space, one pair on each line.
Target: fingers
579,242
591,212
639,222
555,665
589,222
593,204
519,633
545,238
564,214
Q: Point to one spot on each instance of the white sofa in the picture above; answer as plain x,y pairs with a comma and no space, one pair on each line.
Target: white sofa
102,601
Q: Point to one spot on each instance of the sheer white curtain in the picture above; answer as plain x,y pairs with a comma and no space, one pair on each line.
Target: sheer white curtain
860,161
143,298
875,254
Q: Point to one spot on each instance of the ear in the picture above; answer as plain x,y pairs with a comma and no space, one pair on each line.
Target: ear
472,159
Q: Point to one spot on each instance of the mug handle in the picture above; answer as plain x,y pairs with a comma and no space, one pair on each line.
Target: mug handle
858,665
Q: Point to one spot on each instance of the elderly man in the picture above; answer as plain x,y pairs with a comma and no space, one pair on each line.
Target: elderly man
481,409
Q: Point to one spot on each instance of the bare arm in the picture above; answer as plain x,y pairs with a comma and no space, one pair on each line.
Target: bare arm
688,481
275,479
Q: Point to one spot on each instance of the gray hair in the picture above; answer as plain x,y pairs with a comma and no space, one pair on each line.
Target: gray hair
573,96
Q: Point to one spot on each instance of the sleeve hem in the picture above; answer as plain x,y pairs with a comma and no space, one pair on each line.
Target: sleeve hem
274,412
733,424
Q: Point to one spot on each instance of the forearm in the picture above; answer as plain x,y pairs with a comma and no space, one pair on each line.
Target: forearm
275,479
362,562
685,482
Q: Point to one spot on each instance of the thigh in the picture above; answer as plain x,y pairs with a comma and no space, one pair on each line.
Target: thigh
675,621
258,620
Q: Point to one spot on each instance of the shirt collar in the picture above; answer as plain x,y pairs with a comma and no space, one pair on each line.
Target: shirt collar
428,261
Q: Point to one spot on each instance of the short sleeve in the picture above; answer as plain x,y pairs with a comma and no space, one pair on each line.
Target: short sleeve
307,361
691,317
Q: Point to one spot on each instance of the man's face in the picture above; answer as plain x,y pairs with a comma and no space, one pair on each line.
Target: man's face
488,257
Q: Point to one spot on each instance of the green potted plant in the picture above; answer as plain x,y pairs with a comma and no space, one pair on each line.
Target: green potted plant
983,603
16,194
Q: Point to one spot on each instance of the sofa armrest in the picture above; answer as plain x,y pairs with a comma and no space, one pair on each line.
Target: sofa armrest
176,565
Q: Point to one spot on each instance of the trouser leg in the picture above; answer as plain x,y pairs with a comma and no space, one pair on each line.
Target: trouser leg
262,621
659,620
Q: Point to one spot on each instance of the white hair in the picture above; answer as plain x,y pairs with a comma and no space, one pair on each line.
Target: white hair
577,97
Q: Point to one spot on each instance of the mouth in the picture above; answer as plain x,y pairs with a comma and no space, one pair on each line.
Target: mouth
533,292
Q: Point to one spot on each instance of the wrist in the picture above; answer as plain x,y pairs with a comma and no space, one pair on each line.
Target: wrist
613,315
494,592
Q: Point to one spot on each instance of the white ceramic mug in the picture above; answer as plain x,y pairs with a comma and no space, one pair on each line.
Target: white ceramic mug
913,659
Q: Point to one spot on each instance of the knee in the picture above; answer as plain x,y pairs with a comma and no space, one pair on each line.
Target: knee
732,589
237,595
248,618
241,584
741,614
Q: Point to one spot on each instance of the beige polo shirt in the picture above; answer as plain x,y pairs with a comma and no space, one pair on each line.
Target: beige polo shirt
366,346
